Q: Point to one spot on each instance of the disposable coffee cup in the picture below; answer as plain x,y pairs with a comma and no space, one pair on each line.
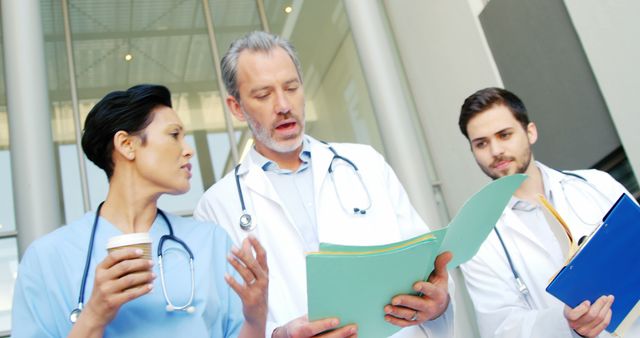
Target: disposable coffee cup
139,240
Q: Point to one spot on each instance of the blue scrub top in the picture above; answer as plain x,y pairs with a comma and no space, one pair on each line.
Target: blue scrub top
50,274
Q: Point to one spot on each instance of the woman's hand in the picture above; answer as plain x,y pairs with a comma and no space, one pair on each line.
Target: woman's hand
121,277
254,291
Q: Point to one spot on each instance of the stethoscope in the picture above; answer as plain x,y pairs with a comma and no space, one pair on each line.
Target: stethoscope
520,284
187,307
246,220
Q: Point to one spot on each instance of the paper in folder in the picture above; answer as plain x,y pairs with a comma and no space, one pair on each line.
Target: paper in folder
354,283
608,263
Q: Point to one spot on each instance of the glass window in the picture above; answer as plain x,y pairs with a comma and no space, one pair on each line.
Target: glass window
618,166
99,186
7,216
219,152
338,107
8,275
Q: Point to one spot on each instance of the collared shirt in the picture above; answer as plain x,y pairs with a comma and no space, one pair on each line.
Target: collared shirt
533,217
295,189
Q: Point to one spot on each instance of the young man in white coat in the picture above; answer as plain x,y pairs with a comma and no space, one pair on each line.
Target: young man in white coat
294,203
496,124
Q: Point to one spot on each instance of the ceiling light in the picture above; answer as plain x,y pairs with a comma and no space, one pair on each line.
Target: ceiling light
128,57
288,9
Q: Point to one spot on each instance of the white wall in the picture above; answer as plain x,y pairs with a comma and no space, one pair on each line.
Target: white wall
609,33
446,58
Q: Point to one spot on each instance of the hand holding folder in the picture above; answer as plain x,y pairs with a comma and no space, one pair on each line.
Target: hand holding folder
606,264
355,283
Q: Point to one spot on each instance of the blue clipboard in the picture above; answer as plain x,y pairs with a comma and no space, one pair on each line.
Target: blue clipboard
607,264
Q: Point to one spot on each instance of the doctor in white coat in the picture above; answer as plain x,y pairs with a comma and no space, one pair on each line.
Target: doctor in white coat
497,126
294,203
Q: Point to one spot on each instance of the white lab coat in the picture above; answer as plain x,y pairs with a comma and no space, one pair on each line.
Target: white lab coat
391,218
501,310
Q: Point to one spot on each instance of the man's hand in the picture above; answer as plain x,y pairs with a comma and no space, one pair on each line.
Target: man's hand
432,299
301,327
589,320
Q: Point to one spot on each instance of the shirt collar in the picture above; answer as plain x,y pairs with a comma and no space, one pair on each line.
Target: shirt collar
268,165
518,204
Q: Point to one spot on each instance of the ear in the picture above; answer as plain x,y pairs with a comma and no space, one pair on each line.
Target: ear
234,107
532,133
124,144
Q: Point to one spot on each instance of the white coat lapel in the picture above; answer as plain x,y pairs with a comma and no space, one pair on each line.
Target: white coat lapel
514,225
321,158
256,182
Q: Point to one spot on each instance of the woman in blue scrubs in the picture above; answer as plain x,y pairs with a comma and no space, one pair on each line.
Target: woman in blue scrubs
139,141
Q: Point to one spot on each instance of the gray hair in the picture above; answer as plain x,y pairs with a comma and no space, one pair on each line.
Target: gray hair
254,41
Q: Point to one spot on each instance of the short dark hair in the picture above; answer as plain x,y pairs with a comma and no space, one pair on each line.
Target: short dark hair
486,98
128,111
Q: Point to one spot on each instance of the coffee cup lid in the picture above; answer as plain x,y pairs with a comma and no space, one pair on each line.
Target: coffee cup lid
128,239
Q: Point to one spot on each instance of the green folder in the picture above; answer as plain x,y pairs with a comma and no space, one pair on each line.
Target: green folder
354,283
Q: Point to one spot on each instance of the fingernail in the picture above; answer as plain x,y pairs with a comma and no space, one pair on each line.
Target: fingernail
395,302
335,322
150,286
139,251
151,263
234,249
153,275
388,319
352,330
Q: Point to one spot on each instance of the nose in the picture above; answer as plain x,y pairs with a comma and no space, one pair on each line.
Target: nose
282,104
187,150
496,148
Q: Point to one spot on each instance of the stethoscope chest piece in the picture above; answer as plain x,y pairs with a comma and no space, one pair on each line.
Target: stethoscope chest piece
73,316
246,222
188,307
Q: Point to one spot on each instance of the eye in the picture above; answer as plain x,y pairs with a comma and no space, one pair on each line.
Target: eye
480,144
175,134
262,95
505,135
292,89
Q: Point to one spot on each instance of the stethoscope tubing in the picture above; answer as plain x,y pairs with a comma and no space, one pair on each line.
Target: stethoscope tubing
522,287
246,222
73,316
87,263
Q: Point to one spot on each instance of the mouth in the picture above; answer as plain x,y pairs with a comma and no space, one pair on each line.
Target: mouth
501,164
286,124
287,127
187,168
